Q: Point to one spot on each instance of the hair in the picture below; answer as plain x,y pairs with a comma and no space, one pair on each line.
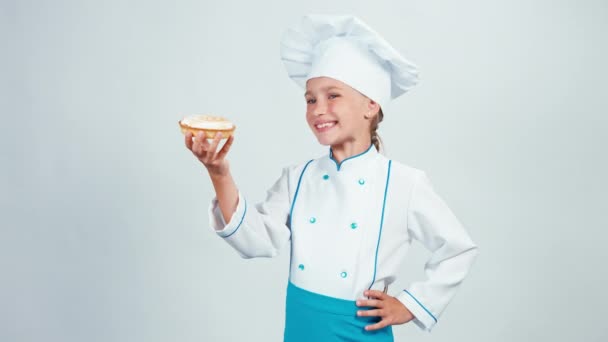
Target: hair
373,130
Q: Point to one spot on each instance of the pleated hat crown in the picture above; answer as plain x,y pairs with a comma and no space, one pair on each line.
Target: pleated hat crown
345,48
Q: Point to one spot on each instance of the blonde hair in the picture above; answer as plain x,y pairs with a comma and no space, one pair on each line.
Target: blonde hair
373,130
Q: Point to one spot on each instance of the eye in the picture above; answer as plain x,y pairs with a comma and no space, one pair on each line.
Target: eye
310,101
331,96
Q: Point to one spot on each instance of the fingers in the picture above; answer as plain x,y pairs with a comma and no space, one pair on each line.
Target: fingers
200,142
375,294
189,140
382,324
225,148
376,312
214,143
390,309
203,145
207,151
370,302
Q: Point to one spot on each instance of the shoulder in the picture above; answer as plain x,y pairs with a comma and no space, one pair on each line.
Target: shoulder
415,179
300,166
292,172
403,172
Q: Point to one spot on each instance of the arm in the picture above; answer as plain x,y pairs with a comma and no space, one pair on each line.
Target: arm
226,193
256,231
431,222
217,166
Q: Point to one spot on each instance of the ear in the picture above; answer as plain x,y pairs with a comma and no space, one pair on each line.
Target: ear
372,108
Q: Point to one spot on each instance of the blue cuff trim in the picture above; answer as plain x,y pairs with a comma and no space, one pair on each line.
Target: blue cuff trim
237,227
425,309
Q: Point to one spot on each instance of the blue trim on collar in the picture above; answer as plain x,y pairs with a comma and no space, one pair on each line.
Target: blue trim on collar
388,176
293,203
338,165
425,309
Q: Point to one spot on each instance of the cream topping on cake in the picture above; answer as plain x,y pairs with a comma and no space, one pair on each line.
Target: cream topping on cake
207,122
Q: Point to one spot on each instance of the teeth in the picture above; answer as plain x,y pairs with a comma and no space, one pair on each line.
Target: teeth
327,124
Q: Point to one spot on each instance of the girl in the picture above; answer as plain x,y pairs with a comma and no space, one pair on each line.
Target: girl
350,215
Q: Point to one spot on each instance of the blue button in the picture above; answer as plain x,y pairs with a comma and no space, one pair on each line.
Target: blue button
361,181
326,177
353,225
343,274
301,266
313,220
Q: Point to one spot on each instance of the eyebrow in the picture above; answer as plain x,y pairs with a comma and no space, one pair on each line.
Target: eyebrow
324,88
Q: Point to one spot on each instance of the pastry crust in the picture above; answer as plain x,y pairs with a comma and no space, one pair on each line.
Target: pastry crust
209,125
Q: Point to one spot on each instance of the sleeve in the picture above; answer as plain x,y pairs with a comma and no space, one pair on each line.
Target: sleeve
431,222
259,230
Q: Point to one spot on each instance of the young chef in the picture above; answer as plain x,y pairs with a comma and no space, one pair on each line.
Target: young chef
352,214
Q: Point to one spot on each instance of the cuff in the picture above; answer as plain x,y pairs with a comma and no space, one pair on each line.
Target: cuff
217,222
423,317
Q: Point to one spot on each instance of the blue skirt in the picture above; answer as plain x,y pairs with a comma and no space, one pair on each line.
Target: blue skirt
313,317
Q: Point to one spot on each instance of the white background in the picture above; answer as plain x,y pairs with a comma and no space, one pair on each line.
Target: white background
104,232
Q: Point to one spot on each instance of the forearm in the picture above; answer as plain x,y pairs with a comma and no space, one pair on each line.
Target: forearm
226,193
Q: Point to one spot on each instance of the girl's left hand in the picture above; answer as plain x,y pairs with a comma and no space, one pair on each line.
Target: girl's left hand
389,308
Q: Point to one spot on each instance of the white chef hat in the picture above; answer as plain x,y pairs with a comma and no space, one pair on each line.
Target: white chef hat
344,48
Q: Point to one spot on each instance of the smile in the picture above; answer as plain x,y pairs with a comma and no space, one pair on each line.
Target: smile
325,125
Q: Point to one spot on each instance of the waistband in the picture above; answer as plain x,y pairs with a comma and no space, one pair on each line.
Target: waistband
301,297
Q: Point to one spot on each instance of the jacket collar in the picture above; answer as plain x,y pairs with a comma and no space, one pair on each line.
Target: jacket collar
356,161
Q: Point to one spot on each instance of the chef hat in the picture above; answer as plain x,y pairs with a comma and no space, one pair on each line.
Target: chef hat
344,48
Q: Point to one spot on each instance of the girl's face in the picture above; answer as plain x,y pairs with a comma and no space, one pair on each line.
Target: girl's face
336,113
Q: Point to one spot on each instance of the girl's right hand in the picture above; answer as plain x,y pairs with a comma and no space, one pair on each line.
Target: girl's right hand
215,161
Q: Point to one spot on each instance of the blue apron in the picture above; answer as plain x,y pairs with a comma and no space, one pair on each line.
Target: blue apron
314,317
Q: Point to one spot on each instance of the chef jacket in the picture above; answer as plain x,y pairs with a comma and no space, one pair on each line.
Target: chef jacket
350,225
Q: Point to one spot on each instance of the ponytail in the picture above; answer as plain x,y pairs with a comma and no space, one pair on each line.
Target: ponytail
373,130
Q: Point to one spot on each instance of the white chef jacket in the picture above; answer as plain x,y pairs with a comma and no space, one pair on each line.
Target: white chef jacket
350,226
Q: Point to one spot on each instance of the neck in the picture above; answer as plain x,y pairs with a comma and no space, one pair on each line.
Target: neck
348,149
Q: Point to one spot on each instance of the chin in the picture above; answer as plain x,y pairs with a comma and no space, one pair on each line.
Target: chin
325,141
329,142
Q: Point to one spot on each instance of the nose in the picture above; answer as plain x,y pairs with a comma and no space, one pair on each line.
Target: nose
319,108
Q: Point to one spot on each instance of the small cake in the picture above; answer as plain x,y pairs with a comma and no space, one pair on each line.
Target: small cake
207,124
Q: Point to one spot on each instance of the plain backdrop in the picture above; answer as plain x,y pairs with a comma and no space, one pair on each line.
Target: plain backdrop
104,232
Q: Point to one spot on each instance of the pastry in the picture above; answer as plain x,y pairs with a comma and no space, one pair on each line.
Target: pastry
207,124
